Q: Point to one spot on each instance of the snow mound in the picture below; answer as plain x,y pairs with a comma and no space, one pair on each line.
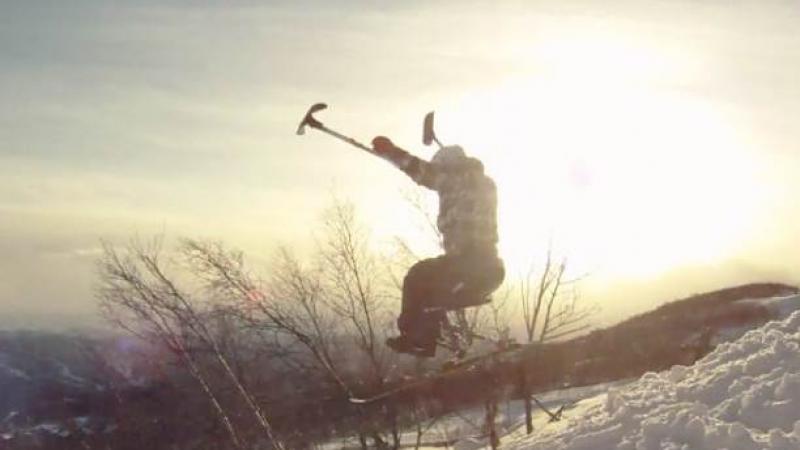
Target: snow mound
744,395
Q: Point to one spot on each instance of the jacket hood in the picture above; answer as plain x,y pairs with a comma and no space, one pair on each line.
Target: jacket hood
452,158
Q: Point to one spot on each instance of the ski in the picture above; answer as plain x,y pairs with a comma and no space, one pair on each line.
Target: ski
449,368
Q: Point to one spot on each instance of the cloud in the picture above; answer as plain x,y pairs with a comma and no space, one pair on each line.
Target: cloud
138,116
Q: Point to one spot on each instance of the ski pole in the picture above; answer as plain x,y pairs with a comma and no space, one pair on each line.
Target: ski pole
428,135
310,121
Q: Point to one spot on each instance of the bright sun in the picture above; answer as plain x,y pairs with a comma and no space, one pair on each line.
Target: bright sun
625,173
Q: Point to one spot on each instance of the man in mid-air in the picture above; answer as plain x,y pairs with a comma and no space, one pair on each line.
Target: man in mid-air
470,269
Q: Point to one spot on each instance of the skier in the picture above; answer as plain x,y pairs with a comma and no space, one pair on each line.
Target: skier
470,268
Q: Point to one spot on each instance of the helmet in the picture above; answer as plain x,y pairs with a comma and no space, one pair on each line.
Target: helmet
449,156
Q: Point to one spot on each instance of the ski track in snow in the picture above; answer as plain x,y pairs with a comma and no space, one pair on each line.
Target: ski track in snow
743,395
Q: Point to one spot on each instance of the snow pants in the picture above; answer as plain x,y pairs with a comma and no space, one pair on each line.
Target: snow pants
434,286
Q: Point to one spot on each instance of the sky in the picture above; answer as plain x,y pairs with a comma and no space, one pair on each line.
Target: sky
652,144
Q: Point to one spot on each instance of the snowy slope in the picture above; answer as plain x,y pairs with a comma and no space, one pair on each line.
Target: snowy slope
780,307
777,308
743,395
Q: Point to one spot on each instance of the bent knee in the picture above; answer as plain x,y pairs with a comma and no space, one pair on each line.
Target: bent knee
421,271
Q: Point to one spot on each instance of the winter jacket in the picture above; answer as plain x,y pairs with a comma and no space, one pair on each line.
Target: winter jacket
467,201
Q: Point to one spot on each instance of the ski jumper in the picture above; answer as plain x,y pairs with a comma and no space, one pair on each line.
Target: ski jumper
470,269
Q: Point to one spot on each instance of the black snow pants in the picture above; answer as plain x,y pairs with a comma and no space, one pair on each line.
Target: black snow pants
434,286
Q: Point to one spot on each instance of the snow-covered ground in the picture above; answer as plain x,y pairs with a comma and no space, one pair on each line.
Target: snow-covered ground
743,395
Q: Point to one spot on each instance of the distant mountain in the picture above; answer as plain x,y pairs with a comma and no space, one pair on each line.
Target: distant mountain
49,322
58,385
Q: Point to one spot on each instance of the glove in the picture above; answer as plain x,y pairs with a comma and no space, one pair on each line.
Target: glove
382,145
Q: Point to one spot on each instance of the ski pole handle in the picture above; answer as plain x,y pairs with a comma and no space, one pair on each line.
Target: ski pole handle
310,121
344,138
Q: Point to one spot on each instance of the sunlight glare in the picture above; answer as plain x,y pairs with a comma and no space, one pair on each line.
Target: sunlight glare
630,178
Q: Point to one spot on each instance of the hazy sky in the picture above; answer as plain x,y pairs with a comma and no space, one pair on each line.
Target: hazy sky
655,143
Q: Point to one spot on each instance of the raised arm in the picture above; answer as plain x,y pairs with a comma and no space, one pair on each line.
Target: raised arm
421,171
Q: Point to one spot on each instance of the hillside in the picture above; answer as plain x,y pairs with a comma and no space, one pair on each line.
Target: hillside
744,395
678,332
644,414
59,388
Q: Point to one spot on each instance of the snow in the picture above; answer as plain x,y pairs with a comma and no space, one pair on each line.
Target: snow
52,428
82,423
464,430
781,307
744,395
69,377
12,371
777,307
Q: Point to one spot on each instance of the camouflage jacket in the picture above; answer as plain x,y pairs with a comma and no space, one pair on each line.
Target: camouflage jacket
467,201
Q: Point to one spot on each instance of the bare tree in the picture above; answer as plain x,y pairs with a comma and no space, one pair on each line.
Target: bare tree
551,307
356,286
492,321
138,295
339,302
550,310
288,308
358,289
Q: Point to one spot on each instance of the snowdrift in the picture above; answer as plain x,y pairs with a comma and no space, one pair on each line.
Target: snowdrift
744,395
